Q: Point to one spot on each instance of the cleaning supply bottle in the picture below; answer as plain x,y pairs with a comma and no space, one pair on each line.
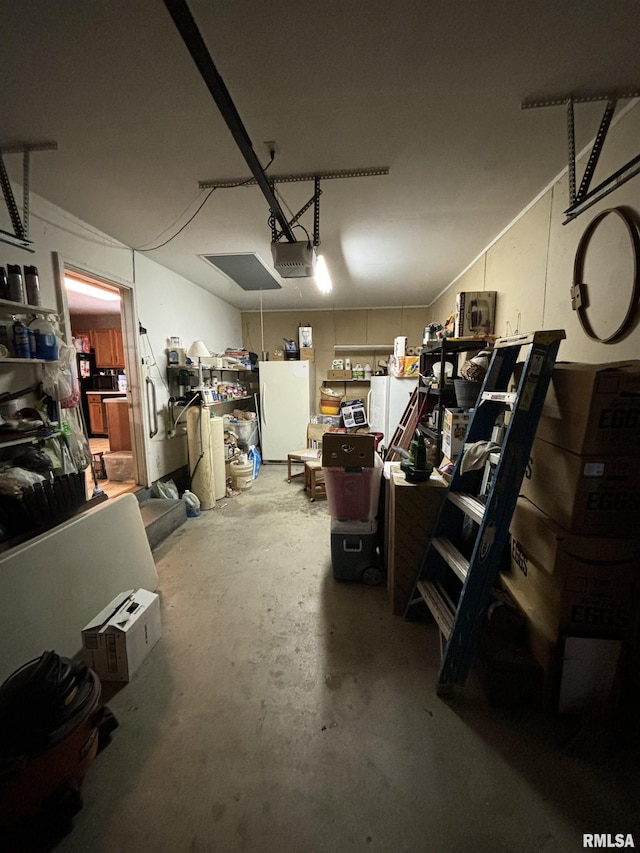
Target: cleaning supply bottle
46,343
20,339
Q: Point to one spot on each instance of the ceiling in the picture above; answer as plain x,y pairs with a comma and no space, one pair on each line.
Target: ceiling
428,88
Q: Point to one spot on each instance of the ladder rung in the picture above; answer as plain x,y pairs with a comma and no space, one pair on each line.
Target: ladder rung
507,397
470,505
452,556
541,337
439,605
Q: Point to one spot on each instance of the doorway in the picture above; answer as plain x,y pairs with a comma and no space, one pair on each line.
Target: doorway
100,320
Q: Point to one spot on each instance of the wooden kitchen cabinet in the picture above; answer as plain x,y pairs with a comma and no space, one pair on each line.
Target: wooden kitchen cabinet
108,347
97,420
117,412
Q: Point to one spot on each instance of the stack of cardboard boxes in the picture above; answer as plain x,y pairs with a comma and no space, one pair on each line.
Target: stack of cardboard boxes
575,535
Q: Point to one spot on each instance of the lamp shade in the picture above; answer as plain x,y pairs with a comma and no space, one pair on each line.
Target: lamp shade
198,350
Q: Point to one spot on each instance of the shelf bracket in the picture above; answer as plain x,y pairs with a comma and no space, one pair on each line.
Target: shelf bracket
584,197
20,225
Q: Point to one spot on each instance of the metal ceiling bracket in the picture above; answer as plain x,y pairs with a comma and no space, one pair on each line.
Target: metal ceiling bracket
188,29
315,201
584,198
20,236
365,172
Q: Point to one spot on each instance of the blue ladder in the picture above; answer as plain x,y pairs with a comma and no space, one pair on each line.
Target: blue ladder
462,559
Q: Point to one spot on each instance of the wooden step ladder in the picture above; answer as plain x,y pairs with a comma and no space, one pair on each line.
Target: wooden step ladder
407,426
461,562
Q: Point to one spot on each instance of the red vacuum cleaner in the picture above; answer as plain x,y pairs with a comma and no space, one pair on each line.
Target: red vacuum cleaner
51,722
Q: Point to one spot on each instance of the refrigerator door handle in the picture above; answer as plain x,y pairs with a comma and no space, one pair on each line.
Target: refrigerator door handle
263,397
369,404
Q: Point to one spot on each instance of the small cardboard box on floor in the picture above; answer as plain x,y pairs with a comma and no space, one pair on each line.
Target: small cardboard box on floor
591,495
593,408
119,638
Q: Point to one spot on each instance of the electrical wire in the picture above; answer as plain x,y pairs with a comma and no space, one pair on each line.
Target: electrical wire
191,218
181,229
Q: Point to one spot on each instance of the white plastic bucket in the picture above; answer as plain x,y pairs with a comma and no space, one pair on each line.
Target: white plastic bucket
242,475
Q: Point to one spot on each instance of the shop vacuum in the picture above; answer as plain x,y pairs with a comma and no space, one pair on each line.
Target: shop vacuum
52,724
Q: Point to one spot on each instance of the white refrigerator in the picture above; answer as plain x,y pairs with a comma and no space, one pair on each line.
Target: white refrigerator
287,397
388,399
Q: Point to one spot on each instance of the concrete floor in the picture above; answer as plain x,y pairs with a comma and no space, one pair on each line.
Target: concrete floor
282,712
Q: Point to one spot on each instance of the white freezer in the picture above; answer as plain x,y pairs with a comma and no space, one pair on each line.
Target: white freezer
388,399
287,397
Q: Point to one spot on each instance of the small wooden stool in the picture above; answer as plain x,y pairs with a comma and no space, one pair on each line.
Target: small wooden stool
300,457
314,479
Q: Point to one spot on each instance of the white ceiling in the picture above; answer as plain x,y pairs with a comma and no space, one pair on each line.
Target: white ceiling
430,88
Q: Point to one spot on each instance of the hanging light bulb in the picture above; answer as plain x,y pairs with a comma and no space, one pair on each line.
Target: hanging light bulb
323,279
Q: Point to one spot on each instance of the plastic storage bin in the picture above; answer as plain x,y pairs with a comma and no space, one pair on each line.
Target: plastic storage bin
245,431
354,555
353,493
119,465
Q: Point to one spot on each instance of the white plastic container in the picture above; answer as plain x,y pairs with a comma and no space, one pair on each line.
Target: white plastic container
192,503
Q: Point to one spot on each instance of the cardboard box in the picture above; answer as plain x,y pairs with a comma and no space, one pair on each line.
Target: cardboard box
593,495
576,680
307,354
338,375
276,355
579,672
121,636
344,450
411,512
573,584
593,408
475,313
454,428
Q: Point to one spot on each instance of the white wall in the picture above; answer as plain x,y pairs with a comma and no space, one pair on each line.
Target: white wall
531,264
165,303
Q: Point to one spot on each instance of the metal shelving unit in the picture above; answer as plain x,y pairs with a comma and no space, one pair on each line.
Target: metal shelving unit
441,352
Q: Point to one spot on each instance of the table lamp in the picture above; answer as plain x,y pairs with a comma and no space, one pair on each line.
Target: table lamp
198,350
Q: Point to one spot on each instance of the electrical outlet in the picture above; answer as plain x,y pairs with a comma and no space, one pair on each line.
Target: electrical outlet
271,148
